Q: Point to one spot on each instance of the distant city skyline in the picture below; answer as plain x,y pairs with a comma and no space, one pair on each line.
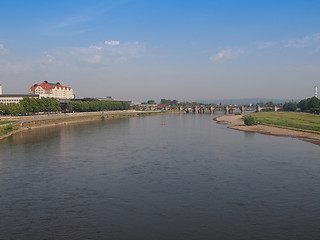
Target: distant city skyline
184,50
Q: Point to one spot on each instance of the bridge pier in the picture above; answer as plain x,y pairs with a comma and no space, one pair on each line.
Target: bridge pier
242,110
258,108
195,109
228,110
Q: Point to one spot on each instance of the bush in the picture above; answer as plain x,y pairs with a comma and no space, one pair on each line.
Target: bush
249,120
6,129
9,128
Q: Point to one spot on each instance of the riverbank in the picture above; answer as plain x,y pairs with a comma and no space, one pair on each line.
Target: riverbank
237,124
23,123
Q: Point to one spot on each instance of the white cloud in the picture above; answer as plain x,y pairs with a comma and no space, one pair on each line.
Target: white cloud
96,54
49,58
304,42
112,43
268,44
226,54
3,50
96,47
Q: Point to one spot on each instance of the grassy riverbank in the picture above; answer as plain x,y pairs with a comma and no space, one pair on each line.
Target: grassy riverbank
7,129
288,124
290,120
6,122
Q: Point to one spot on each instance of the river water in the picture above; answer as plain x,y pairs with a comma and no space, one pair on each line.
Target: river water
157,177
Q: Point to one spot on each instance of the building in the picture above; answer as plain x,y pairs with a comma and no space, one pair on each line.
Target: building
14,98
53,90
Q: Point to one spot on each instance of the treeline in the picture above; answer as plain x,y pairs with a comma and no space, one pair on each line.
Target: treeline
30,105
168,102
49,105
175,102
93,106
311,105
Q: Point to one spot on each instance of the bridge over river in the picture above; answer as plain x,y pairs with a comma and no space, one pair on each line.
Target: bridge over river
229,109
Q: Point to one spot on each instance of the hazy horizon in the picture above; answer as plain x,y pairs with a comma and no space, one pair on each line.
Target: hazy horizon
184,50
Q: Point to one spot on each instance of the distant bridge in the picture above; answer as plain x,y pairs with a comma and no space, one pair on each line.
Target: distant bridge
229,109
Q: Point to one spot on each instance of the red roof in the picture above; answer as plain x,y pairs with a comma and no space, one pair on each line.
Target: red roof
161,105
47,86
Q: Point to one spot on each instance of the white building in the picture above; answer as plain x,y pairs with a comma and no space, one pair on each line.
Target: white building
13,98
53,90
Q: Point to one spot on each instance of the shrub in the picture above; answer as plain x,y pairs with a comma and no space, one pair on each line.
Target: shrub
9,127
6,129
249,120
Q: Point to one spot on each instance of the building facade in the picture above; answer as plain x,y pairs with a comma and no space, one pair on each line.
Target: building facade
15,98
53,90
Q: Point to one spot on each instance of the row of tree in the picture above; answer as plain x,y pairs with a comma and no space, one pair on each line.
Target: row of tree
49,105
93,106
168,102
311,105
175,102
31,105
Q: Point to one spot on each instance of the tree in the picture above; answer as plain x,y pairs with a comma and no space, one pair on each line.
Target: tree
151,102
269,104
290,107
314,102
309,104
249,120
303,105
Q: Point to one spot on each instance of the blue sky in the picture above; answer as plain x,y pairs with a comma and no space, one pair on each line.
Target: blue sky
137,49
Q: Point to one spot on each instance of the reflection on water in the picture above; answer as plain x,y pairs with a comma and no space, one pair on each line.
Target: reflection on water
137,179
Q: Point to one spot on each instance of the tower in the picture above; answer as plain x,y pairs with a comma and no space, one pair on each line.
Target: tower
0,89
316,91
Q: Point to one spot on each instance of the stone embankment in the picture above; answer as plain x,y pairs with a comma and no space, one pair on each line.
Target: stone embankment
237,123
28,122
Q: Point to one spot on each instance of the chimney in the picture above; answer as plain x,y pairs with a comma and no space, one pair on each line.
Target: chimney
315,91
0,89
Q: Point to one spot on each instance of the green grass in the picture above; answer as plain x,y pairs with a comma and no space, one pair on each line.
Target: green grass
5,122
6,129
292,120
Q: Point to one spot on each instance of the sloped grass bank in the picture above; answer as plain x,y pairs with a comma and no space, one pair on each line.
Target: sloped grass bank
6,122
291,120
4,130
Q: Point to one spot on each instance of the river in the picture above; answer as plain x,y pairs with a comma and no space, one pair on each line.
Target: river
177,176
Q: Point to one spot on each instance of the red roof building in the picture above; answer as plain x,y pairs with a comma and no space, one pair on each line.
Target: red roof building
54,90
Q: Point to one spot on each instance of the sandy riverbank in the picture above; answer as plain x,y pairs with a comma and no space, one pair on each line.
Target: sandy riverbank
30,122
236,123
